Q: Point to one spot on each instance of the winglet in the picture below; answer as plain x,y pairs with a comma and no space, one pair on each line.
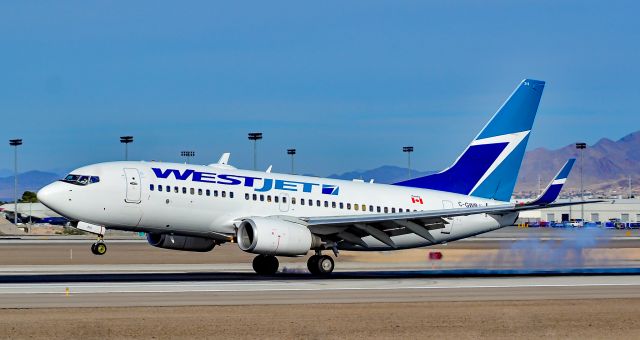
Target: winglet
553,189
224,159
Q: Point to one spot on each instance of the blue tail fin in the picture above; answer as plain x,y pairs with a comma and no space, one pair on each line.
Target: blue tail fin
555,186
489,166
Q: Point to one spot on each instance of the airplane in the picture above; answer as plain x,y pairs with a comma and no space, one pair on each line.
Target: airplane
198,207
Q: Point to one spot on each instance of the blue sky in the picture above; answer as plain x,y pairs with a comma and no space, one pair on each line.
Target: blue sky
346,83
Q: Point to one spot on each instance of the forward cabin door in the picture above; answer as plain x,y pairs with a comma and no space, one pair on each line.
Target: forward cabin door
132,178
448,227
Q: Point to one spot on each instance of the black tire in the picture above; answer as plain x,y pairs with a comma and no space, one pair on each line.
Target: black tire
101,248
312,264
257,264
265,264
271,265
93,249
325,265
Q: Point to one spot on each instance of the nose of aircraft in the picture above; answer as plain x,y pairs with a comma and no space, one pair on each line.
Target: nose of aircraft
52,195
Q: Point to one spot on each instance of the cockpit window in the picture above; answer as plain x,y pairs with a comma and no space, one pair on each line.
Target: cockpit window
81,179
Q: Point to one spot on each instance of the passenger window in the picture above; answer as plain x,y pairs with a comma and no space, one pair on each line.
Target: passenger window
370,208
341,205
356,207
224,193
318,203
284,199
269,198
184,190
159,187
378,208
386,210
349,206
215,193
364,207
400,210
230,194
302,201
333,204
326,204
261,198
168,188
255,197
151,187
276,199
208,192
200,192
192,191
176,190
293,200
246,196
393,210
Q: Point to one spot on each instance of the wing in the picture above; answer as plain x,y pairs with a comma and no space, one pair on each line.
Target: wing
382,227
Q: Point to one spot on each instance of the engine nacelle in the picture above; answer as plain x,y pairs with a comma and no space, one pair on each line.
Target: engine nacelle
179,242
272,236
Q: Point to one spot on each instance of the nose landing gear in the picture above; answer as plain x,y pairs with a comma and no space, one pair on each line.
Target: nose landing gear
99,247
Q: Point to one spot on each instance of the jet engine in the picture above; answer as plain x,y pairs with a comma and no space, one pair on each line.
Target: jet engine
179,242
270,236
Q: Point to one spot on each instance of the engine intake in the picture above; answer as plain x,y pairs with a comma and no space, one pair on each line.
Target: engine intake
179,242
270,236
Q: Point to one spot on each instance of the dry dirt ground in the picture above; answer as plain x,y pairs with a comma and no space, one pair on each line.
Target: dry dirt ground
576,319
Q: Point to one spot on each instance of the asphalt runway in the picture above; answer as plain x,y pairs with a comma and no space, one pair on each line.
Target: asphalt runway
232,289
544,264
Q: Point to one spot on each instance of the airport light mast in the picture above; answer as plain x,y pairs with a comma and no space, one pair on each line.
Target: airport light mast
581,146
187,155
291,152
408,150
15,143
126,140
255,137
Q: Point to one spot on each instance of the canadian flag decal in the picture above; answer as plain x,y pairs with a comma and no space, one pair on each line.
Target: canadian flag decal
416,199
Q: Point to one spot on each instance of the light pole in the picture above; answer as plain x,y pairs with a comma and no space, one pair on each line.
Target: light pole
15,143
187,155
291,152
126,140
408,150
581,146
255,137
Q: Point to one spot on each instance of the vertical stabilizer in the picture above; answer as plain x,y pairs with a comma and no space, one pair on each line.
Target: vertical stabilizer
489,166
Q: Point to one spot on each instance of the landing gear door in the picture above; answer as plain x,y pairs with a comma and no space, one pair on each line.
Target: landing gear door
133,191
448,227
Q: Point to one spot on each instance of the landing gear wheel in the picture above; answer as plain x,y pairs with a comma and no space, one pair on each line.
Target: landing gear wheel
320,264
265,264
325,265
99,248
312,264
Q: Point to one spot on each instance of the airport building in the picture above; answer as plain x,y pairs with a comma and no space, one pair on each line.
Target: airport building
622,210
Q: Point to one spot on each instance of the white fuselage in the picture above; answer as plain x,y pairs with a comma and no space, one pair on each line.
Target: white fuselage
210,200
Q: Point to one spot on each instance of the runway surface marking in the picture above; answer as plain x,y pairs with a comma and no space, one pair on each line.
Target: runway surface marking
321,285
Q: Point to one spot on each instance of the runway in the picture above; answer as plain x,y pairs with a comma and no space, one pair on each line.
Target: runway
509,264
515,283
180,289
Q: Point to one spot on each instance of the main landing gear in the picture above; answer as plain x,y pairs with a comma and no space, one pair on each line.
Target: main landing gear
99,247
319,264
265,264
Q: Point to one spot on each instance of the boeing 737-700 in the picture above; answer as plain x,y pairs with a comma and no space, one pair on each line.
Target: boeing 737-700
196,207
